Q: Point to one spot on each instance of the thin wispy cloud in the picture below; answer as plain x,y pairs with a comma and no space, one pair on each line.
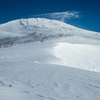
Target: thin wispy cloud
62,16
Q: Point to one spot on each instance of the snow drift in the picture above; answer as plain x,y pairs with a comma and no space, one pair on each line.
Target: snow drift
48,60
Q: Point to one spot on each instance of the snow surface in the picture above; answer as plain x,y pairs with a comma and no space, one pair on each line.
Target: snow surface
41,26
64,68
34,71
79,56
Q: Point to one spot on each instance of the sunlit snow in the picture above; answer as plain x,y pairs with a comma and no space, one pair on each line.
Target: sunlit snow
60,68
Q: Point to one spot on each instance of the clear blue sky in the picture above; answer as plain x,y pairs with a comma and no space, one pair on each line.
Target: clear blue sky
89,9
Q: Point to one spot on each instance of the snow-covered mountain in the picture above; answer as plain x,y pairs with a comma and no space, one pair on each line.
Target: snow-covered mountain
48,60
40,26
40,29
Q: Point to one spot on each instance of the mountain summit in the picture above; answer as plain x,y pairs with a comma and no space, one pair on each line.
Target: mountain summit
22,27
42,59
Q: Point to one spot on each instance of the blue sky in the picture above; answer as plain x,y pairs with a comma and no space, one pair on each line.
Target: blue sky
88,11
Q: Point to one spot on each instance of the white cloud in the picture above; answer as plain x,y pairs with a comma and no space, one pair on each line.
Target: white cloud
62,16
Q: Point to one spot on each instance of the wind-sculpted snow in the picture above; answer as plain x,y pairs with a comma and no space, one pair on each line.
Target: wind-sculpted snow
31,71
82,56
43,59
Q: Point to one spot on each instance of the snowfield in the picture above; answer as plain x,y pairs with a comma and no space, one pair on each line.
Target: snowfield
58,68
42,26
80,56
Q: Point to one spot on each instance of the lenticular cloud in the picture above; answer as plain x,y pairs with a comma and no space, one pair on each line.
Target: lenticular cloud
62,16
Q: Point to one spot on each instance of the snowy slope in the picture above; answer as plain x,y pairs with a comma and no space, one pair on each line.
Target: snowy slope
63,66
79,56
34,71
41,26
